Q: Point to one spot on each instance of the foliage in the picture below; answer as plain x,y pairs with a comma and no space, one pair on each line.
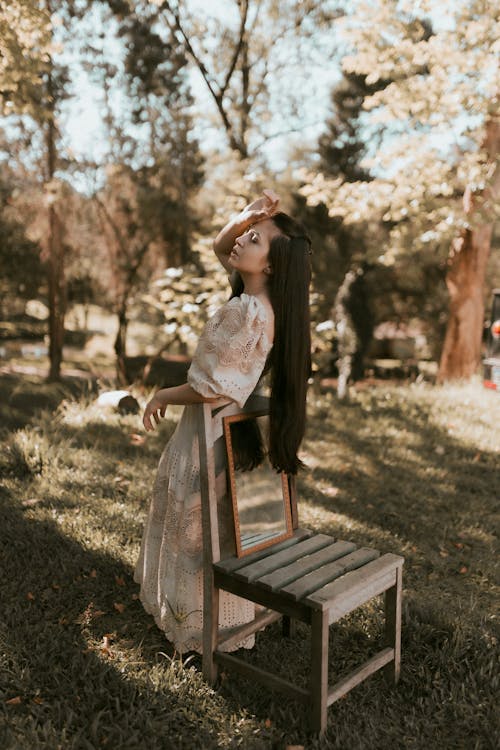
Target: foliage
186,296
25,48
404,469
432,116
19,255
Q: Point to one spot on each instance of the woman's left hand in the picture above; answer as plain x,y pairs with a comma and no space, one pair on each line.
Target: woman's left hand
153,411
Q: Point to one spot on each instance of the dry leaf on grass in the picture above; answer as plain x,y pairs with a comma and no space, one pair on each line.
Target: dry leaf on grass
136,439
14,701
119,607
30,595
106,646
119,580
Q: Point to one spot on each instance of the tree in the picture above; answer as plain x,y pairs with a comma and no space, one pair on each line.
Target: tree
33,86
466,273
152,167
435,114
240,52
339,248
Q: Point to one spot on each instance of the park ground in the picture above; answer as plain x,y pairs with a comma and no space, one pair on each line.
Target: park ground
407,468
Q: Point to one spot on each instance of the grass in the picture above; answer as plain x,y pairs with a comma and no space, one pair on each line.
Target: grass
408,469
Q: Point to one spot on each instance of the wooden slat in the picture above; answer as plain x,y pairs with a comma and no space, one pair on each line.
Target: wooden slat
255,673
260,595
321,576
233,564
298,568
356,587
361,673
277,560
242,631
360,595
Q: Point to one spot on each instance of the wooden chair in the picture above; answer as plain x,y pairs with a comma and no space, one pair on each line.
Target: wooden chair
309,577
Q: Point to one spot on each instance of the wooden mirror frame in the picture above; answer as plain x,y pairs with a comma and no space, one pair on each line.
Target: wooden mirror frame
288,533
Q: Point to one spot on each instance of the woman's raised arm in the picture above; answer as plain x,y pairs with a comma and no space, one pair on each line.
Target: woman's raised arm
260,209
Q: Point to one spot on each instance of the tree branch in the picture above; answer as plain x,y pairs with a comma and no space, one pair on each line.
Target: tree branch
238,47
217,96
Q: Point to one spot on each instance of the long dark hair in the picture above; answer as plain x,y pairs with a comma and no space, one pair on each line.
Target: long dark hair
290,356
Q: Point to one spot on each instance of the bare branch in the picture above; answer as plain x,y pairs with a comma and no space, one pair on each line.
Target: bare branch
238,47
217,96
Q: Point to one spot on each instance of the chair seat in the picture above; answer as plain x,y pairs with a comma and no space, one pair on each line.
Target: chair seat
309,572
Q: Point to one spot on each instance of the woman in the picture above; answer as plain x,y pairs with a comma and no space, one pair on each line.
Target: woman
263,327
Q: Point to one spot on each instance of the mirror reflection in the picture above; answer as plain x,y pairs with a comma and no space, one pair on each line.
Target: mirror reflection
261,505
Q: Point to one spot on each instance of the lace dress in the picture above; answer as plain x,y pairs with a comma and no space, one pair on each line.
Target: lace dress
228,363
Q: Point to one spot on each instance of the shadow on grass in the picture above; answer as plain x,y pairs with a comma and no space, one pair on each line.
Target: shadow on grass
60,604
22,397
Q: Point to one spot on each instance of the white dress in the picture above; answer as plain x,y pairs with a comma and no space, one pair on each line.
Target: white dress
228,362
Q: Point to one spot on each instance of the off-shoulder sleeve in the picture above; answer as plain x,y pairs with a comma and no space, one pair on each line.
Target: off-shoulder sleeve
232,351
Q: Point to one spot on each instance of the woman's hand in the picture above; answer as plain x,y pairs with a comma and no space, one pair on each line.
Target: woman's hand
153,411
262,208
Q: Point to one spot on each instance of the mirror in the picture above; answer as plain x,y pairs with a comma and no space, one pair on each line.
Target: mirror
259,495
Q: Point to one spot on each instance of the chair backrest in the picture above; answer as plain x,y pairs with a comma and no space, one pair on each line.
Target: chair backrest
213,464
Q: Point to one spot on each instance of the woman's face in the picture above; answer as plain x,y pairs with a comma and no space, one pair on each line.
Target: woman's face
251,249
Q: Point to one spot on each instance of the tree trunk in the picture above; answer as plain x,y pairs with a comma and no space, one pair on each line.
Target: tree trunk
469,254
347,340
461,353
55,253
57,294
121,344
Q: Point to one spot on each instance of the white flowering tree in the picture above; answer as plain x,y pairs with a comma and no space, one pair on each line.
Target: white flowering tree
437,180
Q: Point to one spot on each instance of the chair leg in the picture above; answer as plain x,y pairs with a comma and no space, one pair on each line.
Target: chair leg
288,626
210,630
319,670
393,628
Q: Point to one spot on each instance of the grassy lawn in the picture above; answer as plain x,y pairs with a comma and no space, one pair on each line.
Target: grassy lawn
408,469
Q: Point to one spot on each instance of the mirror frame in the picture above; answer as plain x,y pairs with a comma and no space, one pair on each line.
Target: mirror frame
288,533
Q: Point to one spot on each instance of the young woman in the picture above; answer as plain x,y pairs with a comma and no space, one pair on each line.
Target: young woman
263,328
